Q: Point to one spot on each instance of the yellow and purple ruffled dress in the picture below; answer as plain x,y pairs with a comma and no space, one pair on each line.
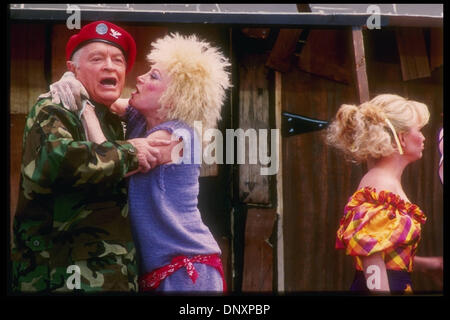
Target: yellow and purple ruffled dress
381,222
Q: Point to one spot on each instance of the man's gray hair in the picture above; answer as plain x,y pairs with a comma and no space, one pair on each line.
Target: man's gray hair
76,57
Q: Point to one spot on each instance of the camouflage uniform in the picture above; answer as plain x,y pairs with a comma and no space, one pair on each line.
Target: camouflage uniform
72,207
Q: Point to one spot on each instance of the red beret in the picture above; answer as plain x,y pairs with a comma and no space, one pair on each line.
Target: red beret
107,32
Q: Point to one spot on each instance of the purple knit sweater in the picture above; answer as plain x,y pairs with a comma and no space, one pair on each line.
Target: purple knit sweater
163,202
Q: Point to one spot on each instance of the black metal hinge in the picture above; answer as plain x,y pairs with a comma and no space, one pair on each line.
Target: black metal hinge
293,124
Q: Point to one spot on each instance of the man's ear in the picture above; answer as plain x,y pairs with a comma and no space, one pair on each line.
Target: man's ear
70,66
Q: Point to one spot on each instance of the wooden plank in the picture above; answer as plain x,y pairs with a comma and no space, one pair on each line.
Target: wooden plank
413,53
60,36
436,48
256,33
253,115
27,78
208,170
17,125
258,252
279,241
361,81
224,244
326,54
281,56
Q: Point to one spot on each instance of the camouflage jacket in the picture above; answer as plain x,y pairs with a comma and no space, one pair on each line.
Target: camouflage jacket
72,219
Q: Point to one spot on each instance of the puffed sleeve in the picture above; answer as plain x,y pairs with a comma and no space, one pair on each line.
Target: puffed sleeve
375,222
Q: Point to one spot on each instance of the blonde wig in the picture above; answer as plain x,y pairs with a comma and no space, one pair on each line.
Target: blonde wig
198,78
371,129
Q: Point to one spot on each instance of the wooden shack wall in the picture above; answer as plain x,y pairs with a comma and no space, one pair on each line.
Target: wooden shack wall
317,181
27,82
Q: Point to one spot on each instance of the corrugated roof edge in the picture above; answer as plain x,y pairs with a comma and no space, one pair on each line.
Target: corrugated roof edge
260,19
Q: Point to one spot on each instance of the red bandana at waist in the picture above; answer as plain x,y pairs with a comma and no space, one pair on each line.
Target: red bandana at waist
152,280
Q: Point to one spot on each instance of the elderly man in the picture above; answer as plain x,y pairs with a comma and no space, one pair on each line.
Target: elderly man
71,228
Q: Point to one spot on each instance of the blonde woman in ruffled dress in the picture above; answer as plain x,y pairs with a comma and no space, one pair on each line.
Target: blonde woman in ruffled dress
381,227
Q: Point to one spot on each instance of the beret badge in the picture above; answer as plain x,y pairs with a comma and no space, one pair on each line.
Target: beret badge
101,28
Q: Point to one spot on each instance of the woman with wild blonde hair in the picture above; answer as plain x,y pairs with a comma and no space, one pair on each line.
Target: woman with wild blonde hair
381,227
186,83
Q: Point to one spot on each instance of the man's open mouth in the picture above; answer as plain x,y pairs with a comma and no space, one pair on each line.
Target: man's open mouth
108,82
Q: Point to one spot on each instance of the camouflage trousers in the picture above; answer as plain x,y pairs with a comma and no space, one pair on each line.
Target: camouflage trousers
113,271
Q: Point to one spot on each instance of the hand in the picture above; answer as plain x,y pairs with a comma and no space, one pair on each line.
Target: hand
132,172
69,91
428,264
119,107
435,265
432,266
436,270
92,126
149,156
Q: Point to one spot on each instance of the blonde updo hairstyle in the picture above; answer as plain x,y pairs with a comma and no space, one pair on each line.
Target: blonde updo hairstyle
198,78
363,133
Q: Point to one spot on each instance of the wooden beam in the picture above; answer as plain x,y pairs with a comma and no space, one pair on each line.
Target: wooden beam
413,53
360,72
258,251
281,56
280,238
326,54
254,188
209,170
436,48
256,33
